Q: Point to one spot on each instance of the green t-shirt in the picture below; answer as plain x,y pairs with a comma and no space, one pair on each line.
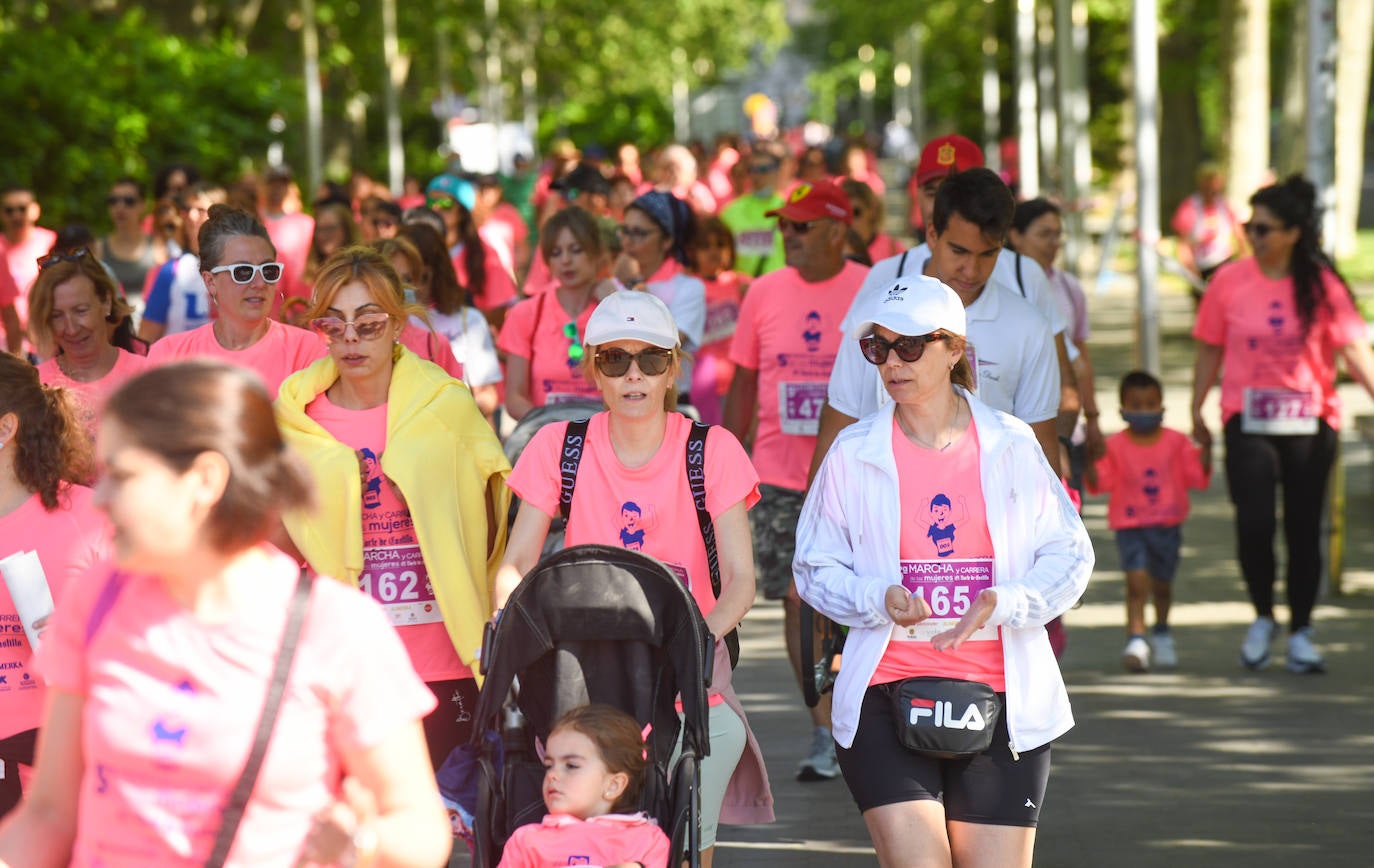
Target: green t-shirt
758,243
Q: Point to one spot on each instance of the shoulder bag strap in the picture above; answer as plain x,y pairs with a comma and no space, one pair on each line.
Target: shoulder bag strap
574,442
901,263
243,788
1020,284
696,480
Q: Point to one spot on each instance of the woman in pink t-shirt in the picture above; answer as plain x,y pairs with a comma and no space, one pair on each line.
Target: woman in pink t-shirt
542,336
412,481
42,510
1273,324
159,664
712,253
242,276
937,532
632,491
75,311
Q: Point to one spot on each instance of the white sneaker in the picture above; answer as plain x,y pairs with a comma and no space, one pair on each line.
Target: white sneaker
1136,656
1303,656
1162,646
821,764
1254,651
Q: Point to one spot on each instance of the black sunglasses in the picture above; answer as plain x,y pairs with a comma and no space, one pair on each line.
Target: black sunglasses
794,226
909,348
1259,230
76,255
126,201
615,362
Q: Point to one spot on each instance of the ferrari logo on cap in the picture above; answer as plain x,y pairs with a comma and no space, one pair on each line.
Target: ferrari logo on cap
804,190
945,156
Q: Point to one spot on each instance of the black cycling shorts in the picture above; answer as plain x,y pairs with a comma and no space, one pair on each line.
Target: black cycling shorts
990,788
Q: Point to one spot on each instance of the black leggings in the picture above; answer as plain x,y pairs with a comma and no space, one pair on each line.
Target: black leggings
1256,464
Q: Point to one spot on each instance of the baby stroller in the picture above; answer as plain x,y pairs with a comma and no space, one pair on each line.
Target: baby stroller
593,623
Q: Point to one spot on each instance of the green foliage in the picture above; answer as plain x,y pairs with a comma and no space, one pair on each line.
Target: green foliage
94,98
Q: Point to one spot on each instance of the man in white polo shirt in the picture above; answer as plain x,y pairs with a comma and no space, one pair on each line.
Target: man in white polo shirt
1016,368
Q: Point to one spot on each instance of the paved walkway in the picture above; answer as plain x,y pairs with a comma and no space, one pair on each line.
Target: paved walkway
1209,765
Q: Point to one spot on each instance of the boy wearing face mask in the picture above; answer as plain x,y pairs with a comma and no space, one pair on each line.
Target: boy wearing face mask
1146,474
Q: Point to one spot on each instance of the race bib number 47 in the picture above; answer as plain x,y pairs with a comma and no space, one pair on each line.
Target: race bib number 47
799,407
949,588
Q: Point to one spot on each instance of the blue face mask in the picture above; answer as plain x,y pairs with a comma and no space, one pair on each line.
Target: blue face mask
411,297
1143,423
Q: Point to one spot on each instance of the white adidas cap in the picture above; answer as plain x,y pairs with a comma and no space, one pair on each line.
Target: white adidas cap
915,305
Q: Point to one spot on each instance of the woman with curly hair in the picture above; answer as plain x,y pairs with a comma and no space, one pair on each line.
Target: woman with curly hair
44,455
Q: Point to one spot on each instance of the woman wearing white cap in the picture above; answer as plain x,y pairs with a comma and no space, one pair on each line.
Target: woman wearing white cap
939,535
632,490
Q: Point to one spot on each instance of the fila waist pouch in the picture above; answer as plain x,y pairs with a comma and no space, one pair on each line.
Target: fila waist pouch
946,718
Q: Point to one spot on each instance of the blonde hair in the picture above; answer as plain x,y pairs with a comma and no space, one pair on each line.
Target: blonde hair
361,264
962,372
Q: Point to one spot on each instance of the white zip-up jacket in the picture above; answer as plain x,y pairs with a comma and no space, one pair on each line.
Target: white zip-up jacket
847,557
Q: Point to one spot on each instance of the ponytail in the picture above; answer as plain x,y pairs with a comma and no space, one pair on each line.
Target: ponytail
1294,203
474,256
51,446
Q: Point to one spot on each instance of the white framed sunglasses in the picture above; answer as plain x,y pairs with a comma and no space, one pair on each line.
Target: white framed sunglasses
243,272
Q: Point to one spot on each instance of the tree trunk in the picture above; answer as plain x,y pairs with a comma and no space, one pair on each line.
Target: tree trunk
1291,149
1180,117
1247,68
1355,29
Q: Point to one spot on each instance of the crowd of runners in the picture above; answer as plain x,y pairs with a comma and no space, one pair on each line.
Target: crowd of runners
724,360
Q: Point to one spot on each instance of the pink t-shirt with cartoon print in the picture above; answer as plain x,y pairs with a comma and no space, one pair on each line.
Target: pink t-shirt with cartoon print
1147,483
648,508
171,705
1255,321
946,558
69,541
394,572
789,331
536,329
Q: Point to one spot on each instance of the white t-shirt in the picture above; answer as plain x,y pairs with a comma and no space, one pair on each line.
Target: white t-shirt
1017,366
468,335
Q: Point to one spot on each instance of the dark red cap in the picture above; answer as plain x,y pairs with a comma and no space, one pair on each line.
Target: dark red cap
947,154
812,201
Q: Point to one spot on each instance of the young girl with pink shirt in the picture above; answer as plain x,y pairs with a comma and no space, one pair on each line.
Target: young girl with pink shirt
594,768
1146,472
43,453
713,262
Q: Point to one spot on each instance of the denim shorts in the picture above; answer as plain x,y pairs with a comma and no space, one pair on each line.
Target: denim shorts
1153,549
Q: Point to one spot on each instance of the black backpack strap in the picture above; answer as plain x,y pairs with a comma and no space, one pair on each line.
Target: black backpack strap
574,442
696,480
901,263
243,788
1020,284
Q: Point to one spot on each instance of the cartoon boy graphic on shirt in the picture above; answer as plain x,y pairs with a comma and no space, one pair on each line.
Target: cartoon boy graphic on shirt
372,479
1151,486
942,527
812,334
631,534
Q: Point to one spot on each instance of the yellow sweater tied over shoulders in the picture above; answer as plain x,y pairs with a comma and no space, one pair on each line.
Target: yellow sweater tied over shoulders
448,465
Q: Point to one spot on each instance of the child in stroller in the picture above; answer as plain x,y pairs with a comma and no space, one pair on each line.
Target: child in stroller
594,765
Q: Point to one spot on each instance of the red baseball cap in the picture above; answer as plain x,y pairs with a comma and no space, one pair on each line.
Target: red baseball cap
947,154
812,201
